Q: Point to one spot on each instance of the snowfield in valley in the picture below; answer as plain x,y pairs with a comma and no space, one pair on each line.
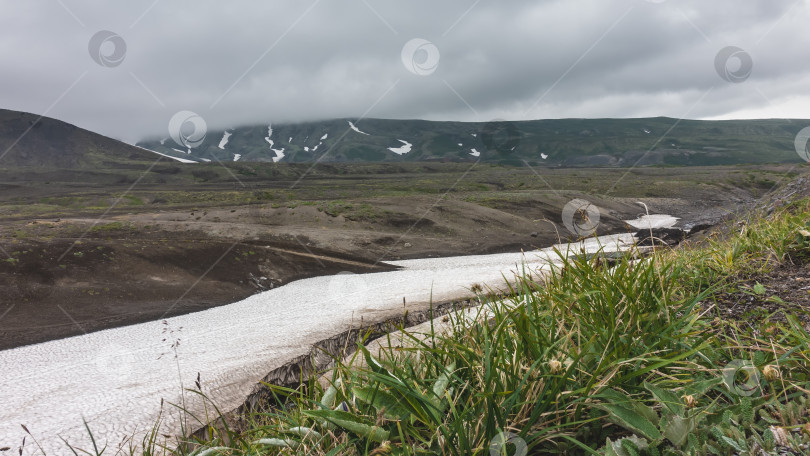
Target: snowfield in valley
116,378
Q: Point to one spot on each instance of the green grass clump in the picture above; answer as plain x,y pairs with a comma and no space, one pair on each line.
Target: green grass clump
622,356
107,227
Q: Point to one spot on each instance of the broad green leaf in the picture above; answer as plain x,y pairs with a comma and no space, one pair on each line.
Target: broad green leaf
677,429
279,443
440,386
441,383
305,432
350,423
328,399
623,400
698,389
394,408
632,421
733,443
376,367
667,398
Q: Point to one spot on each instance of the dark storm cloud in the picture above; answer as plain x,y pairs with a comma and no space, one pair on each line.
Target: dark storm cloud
241,62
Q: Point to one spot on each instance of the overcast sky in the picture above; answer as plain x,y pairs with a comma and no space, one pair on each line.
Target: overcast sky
248,62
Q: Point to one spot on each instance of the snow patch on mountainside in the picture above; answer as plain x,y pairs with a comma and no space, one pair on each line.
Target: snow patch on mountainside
236,157
401,150
351,125
181,160
269,135
475,153
224,141
279,152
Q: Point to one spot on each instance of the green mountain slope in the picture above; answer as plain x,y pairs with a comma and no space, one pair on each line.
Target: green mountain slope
563,142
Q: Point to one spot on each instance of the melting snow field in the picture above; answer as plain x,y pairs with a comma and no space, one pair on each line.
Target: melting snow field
224,141
351,125
181,160
115,379
401,150
279,152
653,221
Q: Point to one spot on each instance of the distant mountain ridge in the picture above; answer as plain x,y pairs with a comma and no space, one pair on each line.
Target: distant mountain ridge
557,142
29,140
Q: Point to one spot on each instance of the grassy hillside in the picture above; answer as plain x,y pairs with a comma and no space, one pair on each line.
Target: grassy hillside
563,142
623,358
28,140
